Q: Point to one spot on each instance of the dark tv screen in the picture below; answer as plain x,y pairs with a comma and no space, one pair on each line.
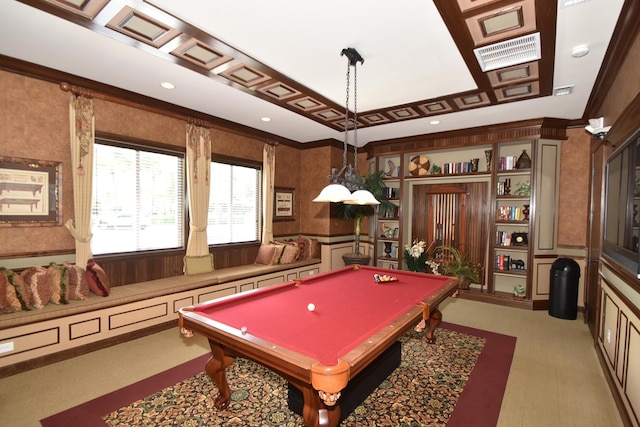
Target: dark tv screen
622,216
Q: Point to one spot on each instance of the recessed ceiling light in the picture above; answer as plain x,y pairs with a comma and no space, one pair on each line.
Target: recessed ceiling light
434,122
580,51
167,85
266,119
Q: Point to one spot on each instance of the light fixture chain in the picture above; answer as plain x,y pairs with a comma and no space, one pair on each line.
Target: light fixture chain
355,118
346,119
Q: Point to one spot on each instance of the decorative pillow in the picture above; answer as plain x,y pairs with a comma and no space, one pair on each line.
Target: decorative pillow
265,254
36,279
198,264
77,283
290,254
278,253
98,280
10,301
58,279
302,248
309,248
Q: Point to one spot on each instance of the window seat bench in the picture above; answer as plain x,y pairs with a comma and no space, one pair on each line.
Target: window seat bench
129,308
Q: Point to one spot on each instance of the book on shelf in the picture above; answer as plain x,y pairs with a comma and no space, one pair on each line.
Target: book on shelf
504,187
510,213
390,212
503,238
457,167
507,163
502,262
391,192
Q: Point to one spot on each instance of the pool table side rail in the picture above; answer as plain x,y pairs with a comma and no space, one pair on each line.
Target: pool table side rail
363,354
288,363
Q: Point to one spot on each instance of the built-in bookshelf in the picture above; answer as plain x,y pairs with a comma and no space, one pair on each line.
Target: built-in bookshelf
388,224
512,195
513,173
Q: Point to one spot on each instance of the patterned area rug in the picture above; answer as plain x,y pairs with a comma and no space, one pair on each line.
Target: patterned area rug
458,382
422,391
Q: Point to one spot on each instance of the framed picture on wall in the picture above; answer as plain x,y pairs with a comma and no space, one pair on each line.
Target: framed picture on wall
283,201
29,192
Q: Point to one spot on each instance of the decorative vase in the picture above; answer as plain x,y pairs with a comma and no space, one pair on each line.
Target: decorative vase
525,212
524,161
387,249
474,165
488,154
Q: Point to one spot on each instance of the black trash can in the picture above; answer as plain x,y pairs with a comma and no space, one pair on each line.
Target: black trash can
563,296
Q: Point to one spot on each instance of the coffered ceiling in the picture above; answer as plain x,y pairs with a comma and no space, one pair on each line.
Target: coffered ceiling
462,63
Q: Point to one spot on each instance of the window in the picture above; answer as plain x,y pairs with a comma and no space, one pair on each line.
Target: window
234,204
138,199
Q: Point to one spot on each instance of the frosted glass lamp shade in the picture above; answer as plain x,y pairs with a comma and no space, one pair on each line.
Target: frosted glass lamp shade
333,193
362,197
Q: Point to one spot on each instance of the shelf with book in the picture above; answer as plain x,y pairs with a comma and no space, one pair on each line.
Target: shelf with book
438,163
512,198
387,221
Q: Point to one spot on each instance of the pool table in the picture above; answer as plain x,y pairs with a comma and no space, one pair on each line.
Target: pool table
318,348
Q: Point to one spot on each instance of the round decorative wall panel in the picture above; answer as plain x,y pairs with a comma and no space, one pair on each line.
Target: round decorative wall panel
419,165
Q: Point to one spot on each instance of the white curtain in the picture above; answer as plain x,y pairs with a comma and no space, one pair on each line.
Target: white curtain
82,126
268,174
198,186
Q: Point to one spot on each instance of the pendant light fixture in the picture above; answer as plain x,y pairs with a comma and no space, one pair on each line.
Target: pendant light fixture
346,185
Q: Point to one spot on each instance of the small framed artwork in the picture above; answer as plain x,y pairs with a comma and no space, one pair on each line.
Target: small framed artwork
29,192
283,201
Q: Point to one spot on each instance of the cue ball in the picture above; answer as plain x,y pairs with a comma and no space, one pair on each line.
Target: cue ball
243,330
311,307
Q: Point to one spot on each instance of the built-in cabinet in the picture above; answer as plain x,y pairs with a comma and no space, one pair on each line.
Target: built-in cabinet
497,202
618,340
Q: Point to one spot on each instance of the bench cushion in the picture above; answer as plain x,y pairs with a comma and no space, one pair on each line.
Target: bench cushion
120,295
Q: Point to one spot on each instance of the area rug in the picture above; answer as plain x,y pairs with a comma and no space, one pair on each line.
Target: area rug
458,382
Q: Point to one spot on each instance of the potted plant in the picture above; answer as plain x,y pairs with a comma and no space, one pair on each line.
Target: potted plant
374,183
415,255
457,265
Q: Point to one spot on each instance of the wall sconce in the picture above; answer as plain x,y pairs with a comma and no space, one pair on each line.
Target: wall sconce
597,129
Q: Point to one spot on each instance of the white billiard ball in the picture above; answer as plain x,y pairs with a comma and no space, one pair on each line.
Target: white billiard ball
311,307
243,330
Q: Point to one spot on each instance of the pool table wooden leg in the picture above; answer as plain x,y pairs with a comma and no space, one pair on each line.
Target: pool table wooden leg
435,318
215,368
315,413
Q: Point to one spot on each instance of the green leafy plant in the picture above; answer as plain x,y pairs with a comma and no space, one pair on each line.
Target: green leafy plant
415,255
457,265
524,189
374,183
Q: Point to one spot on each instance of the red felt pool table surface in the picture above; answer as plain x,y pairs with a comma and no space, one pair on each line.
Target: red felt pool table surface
355,320
350,307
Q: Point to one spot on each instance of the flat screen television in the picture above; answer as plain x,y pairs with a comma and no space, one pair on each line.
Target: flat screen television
622,217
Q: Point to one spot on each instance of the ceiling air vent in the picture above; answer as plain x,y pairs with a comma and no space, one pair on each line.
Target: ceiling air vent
511,52
564,90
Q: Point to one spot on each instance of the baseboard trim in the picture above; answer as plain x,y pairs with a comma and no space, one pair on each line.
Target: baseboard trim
49,359
626,419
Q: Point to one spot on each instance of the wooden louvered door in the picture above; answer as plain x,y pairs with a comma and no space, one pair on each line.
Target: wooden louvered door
452,215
